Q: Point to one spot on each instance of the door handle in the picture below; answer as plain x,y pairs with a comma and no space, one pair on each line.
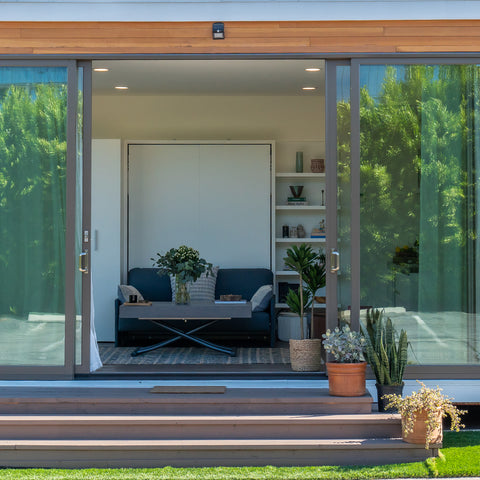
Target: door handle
83,262
334,261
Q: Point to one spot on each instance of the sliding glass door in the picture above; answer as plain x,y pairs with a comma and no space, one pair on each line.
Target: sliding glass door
418,156
38,150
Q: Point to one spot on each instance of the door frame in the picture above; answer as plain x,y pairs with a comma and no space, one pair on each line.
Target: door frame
437,371
65,371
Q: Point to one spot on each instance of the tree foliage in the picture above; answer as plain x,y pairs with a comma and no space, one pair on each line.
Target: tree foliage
32,198
417,182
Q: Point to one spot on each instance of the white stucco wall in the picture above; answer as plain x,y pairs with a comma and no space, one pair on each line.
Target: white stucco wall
227,10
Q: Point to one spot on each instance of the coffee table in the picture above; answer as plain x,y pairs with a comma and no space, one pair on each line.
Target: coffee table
209,312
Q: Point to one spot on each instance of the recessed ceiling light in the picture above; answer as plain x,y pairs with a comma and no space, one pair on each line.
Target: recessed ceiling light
100,69
309,88
121,87
312,69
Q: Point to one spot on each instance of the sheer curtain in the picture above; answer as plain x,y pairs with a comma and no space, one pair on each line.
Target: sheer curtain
450,113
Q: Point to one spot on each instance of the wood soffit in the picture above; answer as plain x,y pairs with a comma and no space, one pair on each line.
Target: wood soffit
100,38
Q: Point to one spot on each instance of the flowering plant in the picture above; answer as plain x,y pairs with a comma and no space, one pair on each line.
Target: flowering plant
345,345
433,403
183,262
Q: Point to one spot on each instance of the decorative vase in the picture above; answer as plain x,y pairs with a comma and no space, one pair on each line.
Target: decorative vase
346,379
419,433
305,355
182,291
299,162
387,390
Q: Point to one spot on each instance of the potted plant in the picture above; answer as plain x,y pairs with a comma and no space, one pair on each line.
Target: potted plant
305,353
422,413
387,357
346,375
315,278
183,263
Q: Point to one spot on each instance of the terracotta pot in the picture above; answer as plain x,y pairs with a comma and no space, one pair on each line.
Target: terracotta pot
419,434
346,379
305,355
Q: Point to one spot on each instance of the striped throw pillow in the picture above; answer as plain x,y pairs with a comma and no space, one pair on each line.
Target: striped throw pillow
203,289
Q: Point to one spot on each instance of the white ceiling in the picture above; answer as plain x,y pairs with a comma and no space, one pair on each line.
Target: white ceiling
208,77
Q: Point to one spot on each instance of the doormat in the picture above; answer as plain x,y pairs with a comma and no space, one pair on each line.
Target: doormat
111,355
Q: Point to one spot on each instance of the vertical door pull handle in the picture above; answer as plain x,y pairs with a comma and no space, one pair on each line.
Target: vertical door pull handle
334,261
83,262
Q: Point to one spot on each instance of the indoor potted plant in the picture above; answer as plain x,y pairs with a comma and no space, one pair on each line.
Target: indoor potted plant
387,357
183,263
314,278
422,413
346,375
305,353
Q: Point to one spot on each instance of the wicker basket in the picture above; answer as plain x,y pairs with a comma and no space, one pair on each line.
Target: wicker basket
305,355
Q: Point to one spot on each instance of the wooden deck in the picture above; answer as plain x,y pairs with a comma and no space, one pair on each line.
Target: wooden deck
85,426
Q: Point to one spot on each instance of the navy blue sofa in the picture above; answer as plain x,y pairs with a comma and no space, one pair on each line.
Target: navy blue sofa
239,281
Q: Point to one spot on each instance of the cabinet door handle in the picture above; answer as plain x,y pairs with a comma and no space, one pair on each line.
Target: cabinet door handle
334,261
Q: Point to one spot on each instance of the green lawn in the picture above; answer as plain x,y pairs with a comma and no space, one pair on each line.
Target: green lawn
460,457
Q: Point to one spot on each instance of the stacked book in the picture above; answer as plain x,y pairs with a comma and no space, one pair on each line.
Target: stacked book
318,233
297,201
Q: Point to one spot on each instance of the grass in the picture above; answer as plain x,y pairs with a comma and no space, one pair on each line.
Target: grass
460,457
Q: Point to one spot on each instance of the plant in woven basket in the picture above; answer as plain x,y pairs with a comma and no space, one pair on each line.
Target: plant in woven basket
305,354
305,261
429,404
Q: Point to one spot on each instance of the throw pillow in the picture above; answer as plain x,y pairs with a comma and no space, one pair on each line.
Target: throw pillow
201,290
261,298
124,291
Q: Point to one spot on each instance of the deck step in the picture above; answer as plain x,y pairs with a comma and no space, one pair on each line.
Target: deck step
141,427
138,401
207,453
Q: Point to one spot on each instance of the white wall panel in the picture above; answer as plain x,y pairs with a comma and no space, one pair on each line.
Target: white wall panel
106,234
215,198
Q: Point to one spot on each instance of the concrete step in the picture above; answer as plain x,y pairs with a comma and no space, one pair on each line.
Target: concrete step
207,453
141,427
140,401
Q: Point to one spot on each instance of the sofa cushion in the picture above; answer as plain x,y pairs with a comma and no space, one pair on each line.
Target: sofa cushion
203,289
261,298
242,281
153,287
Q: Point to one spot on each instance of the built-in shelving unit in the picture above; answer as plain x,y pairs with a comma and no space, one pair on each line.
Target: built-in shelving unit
309,216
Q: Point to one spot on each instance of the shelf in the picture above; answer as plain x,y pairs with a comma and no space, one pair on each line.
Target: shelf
284,305
300,207
300,240
299,175
286,273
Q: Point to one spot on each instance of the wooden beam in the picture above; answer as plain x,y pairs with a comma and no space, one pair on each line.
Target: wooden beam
90,38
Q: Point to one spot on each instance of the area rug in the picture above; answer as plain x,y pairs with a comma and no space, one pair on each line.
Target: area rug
111,355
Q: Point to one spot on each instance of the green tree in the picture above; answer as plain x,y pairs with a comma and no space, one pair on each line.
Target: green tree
32,198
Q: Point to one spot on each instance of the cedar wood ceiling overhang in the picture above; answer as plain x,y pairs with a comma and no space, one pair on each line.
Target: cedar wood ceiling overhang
104,38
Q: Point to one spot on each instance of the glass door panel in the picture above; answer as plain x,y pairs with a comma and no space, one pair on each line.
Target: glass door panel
339,194
34,247
419,194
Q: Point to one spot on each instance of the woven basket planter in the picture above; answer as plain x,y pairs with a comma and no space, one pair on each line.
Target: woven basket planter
305,355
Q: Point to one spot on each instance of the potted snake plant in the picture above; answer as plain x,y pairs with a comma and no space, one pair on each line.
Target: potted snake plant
386,356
